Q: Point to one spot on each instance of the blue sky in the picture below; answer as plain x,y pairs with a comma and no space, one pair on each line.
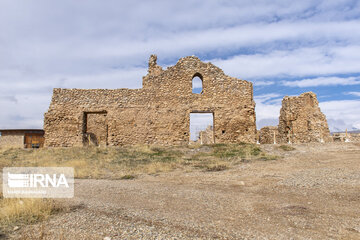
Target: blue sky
283,47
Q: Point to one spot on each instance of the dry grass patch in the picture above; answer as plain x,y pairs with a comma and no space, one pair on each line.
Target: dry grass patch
114,163
128,177
17,212
117,162
216,167
287,148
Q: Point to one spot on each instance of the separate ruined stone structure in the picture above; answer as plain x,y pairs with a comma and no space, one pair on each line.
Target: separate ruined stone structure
158,113
346,137
207,136
301,120
269,135
354,137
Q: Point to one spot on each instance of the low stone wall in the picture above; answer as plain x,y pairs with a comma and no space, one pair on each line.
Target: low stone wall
355,137
269,135
343,137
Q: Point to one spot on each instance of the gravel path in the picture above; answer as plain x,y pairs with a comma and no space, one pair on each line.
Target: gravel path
312,192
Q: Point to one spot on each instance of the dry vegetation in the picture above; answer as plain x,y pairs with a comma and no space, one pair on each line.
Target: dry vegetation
286,148
17,212
254,199
128,162
113,163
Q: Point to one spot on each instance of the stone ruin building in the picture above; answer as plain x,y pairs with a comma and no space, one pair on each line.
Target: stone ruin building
158,113
300,121
346,137
269,134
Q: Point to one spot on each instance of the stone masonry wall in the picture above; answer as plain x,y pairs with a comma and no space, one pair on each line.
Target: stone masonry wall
355,137
301,120
95,129
266,135
346,137
207,136
158,113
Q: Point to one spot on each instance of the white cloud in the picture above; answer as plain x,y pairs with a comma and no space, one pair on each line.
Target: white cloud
23,103
26,112
106,45
323,81
263,83
265,97
267,109
267,114
15,82
298,62
343,112
354,93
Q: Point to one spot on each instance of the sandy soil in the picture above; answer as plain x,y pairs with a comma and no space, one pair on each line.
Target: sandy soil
312,192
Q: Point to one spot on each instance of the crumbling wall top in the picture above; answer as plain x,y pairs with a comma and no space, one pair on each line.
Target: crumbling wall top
154,69
307,98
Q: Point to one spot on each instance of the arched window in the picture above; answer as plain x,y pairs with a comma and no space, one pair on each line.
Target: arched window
197,84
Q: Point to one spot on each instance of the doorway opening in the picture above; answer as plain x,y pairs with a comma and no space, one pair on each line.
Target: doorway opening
95,129
202,128
34,140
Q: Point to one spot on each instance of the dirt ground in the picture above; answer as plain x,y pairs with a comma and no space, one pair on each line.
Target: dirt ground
312,192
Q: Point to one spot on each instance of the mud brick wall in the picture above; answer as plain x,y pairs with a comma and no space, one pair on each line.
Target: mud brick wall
158,113
266,135
12,140
301,120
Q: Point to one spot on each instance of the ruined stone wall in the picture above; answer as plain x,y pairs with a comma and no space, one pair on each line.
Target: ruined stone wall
158,113
355,137
269,135
301,120
343,137
207,136
340,137
12,140
95,129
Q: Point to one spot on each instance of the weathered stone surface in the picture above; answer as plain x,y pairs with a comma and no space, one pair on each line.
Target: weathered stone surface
269,135
158,113
95,129
301,120
12,140
207,136
346,137
354,137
